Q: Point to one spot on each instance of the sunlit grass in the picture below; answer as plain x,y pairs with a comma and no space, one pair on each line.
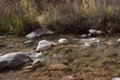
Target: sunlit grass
62,17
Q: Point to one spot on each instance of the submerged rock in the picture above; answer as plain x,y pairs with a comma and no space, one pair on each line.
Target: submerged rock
13,59
44,45
63,41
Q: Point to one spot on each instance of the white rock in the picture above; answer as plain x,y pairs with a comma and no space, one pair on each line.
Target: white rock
36,33
13,59
118,40
94,32
63,41
44,45
116,79
84,36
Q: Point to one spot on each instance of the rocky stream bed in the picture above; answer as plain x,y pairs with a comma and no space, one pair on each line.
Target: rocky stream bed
93,58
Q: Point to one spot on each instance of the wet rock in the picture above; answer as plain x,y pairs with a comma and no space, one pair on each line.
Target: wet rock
93,32
116,79
58,67
13,59
44,45
63,41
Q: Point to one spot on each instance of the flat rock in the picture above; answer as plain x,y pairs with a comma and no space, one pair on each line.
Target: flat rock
44,45
13,59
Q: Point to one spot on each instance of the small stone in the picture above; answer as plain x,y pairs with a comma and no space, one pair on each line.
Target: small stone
68,78
83,35
58,67
63,41
116,79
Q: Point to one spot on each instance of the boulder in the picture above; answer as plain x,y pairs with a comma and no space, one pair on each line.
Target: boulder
63,41
13,59
44,45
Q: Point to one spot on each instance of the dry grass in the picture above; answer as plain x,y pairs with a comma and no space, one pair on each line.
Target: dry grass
63,17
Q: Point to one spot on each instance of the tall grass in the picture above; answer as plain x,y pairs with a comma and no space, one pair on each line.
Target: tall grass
84,14
62,16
